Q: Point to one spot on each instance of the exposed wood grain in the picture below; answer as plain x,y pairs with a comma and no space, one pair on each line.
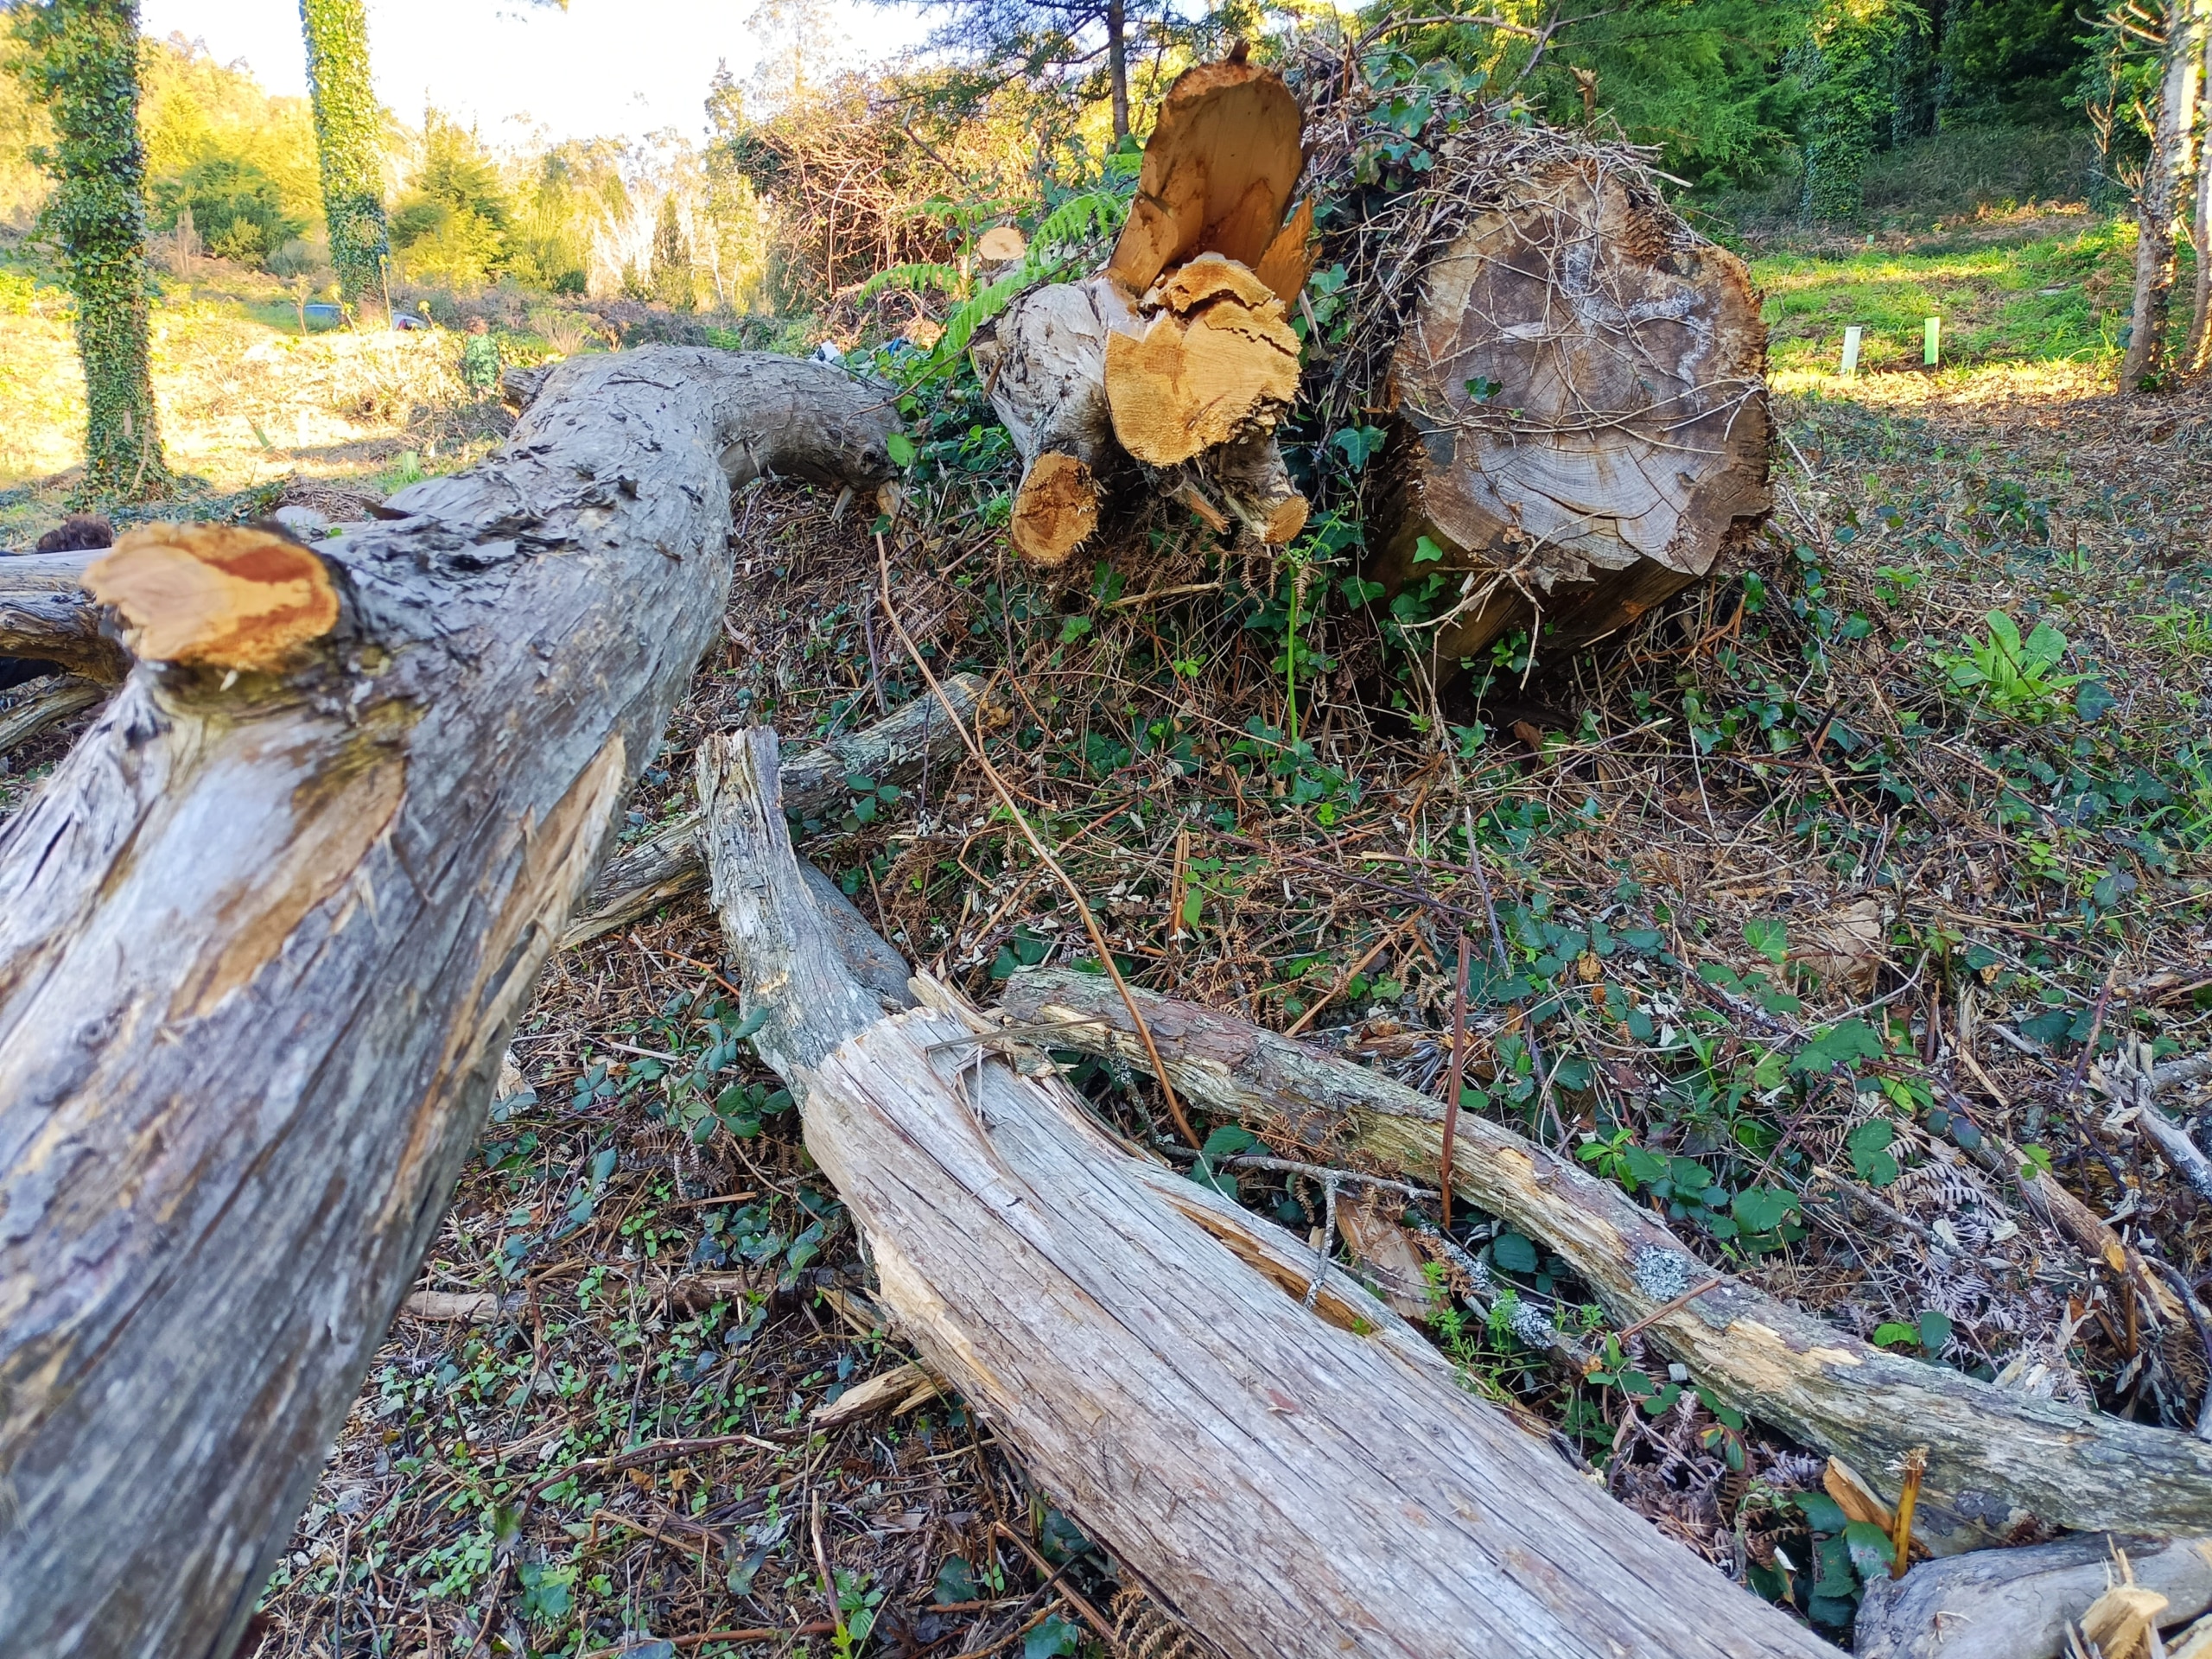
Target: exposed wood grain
2014,1604
1582,412
1999,1461
45,703
1294,1481
262,938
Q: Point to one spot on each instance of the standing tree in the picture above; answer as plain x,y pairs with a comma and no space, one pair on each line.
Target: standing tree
346,122
80,58
2165,180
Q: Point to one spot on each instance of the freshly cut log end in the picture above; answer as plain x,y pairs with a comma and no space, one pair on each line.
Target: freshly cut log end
1581,403
1056,509
216,595
1219,172
1044,363
1215,365
1252,479
1289,258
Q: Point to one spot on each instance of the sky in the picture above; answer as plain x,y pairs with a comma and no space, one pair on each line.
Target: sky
603,68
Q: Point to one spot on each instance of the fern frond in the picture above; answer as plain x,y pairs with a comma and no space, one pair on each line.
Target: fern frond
944,278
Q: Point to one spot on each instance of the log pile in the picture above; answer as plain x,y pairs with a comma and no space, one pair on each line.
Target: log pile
1177,356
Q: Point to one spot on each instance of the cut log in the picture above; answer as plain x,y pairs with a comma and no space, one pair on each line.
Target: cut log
55,702
1294,1481
1579,412
1999,1463
46,613
1192,379
263,935
898,749
1217,362
1044,361
2016,1604
225,596
1218,171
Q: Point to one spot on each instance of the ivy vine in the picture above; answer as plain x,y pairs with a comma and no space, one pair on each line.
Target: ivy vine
349,126
80,58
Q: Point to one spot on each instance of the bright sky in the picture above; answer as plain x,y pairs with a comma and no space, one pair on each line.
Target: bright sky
603,66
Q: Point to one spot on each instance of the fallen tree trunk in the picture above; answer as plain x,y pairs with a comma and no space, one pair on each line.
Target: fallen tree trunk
263,935
1999,1463
44,613
666,865
1579,407
1294,1480
55,702
2016,1604
1179,354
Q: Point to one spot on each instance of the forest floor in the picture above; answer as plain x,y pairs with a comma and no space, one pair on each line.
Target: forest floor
1786,789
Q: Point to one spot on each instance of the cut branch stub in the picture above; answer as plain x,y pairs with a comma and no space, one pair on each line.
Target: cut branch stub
1219,172
218,595
1044,363
1582,412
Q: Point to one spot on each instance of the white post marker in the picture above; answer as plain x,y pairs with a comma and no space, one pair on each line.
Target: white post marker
1852,336
1931,341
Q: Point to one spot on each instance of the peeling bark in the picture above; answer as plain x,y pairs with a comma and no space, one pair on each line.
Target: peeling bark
1999,1463
263,935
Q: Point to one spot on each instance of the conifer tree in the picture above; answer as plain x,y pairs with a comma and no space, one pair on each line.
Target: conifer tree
80,58
347,126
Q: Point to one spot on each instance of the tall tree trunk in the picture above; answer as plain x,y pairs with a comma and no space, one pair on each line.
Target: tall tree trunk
263,934
1117,63
2173,144
80,59
347,127
2198,358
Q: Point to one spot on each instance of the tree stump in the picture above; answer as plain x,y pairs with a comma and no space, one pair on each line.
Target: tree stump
1580,415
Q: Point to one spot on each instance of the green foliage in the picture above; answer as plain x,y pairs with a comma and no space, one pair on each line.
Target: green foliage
2012,675
80,58
451,225
348,127
236,209
1847,65
2019,62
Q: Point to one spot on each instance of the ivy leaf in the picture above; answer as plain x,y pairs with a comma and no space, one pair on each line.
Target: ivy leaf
1871,1551
1869,1146
1823,1513
1426,551
1840,1045
1935,1330
1767,935
901,447
1514,1253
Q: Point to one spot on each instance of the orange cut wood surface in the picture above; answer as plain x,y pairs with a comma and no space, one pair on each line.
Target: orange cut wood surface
218,595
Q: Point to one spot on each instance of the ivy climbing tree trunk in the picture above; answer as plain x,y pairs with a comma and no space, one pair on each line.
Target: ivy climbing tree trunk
80,58
346,135
2165,176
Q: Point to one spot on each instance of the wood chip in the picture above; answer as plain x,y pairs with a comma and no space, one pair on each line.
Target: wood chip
452,1307
898,1390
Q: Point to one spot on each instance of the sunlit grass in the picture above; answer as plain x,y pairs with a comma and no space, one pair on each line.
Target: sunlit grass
2050,300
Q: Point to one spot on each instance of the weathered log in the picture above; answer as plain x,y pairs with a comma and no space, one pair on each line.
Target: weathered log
1295,1481
2016,1604
46,613
263,935
898,748
1580,411
1179,352
55,702
1998,1462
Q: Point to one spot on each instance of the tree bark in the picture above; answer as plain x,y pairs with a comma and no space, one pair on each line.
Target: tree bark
1580,423
1998,1462
898,749
2015,1604
1294,1481
1117,64
46,613
52,705
263,935
2173,144
2198,360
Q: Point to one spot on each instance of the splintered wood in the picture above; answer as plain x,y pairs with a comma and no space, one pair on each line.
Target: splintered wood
1581,399
1180,354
